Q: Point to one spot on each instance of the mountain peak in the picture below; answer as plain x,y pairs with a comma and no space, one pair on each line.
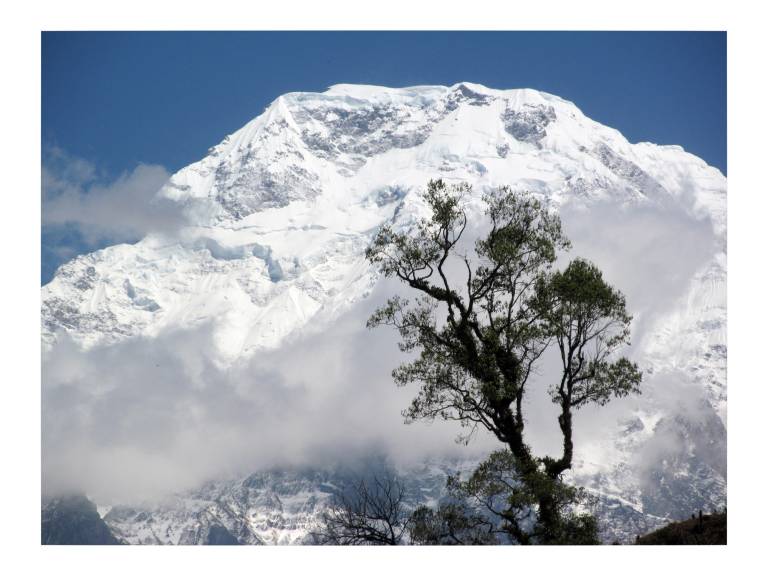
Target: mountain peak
280,212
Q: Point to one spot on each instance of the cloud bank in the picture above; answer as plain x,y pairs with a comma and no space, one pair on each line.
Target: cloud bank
149,416
145,417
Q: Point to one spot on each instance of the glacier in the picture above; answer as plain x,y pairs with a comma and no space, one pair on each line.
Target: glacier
278,215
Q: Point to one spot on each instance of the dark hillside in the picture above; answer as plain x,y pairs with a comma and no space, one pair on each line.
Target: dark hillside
708,529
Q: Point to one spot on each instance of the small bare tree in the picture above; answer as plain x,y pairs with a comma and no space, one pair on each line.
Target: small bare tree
373,513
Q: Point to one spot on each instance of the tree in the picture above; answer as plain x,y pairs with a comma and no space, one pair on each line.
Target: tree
478,334
373,513
454,521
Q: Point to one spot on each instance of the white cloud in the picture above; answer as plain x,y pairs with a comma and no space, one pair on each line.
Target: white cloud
148,416
123,209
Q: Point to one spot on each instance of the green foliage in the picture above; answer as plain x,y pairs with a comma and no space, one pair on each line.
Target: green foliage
451,523
588,321
477,337
504,488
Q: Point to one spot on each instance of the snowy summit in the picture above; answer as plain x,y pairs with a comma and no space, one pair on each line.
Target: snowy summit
280,212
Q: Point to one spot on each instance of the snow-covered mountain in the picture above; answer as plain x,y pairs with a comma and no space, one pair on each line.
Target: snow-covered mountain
279,215
275,507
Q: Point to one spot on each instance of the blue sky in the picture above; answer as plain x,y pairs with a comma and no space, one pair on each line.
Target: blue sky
115,100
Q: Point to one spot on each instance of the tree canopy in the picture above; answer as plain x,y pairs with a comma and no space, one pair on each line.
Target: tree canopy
477,329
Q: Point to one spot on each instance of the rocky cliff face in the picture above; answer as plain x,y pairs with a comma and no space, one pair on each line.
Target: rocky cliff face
73,519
